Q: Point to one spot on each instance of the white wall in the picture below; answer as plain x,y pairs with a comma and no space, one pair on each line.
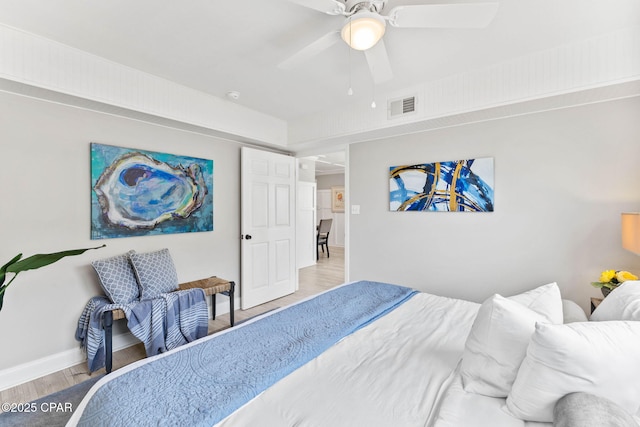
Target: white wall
325,182
562,178
45,194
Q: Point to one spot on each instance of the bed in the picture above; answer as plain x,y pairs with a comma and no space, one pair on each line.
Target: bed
376,354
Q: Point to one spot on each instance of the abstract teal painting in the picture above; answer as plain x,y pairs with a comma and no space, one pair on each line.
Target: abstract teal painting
453,186
140,193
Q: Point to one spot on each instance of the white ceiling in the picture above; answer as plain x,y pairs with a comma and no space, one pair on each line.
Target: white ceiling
219,46
329,163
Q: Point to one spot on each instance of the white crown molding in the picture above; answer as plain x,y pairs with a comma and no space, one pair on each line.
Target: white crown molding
586,66
43,63
558,74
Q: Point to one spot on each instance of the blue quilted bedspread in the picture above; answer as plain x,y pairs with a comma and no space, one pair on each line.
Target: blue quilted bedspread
202,384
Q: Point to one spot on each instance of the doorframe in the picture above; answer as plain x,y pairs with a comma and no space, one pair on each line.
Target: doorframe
347,202
347,214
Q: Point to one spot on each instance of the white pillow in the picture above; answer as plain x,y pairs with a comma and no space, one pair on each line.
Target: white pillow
623,303
496,346
601,358
572,312
545,300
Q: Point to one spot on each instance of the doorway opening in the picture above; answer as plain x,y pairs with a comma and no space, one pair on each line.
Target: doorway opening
329,176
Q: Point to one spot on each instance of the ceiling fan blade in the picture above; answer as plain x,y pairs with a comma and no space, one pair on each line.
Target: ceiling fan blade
310,50
330,7
379,64
462,15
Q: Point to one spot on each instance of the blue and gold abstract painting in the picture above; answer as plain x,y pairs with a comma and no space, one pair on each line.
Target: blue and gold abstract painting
140,193
455,186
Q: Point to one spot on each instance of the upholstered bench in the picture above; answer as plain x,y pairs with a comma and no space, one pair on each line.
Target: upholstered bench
211,286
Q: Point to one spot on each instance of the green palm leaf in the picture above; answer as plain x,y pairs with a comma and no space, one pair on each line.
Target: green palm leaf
17,265
40,260
3,269
3,274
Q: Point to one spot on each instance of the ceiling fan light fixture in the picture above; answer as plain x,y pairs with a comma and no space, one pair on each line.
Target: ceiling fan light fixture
363,30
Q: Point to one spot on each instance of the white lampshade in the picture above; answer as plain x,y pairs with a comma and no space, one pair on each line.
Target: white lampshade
363,30
631,232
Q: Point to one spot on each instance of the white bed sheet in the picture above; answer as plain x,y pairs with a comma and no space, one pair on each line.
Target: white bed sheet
462,409
390,373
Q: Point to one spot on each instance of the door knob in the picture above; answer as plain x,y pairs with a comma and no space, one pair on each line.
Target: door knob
247,236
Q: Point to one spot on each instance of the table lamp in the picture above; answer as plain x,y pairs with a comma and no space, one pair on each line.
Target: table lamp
631,232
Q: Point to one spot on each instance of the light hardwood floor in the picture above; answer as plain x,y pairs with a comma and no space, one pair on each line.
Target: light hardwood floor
326,274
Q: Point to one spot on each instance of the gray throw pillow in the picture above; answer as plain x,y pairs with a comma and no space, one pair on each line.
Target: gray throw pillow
588,410
117,278
156,273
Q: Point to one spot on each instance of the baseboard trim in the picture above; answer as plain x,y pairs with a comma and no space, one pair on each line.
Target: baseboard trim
35,369
30,371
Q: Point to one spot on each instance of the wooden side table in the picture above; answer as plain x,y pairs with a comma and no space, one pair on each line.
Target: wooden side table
595,302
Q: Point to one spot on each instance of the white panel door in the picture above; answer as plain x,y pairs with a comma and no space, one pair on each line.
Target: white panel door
306,224
268,246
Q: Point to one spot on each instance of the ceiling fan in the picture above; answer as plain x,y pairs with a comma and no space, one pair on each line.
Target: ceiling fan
365,25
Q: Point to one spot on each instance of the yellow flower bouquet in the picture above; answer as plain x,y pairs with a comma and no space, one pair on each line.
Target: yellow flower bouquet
611,279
